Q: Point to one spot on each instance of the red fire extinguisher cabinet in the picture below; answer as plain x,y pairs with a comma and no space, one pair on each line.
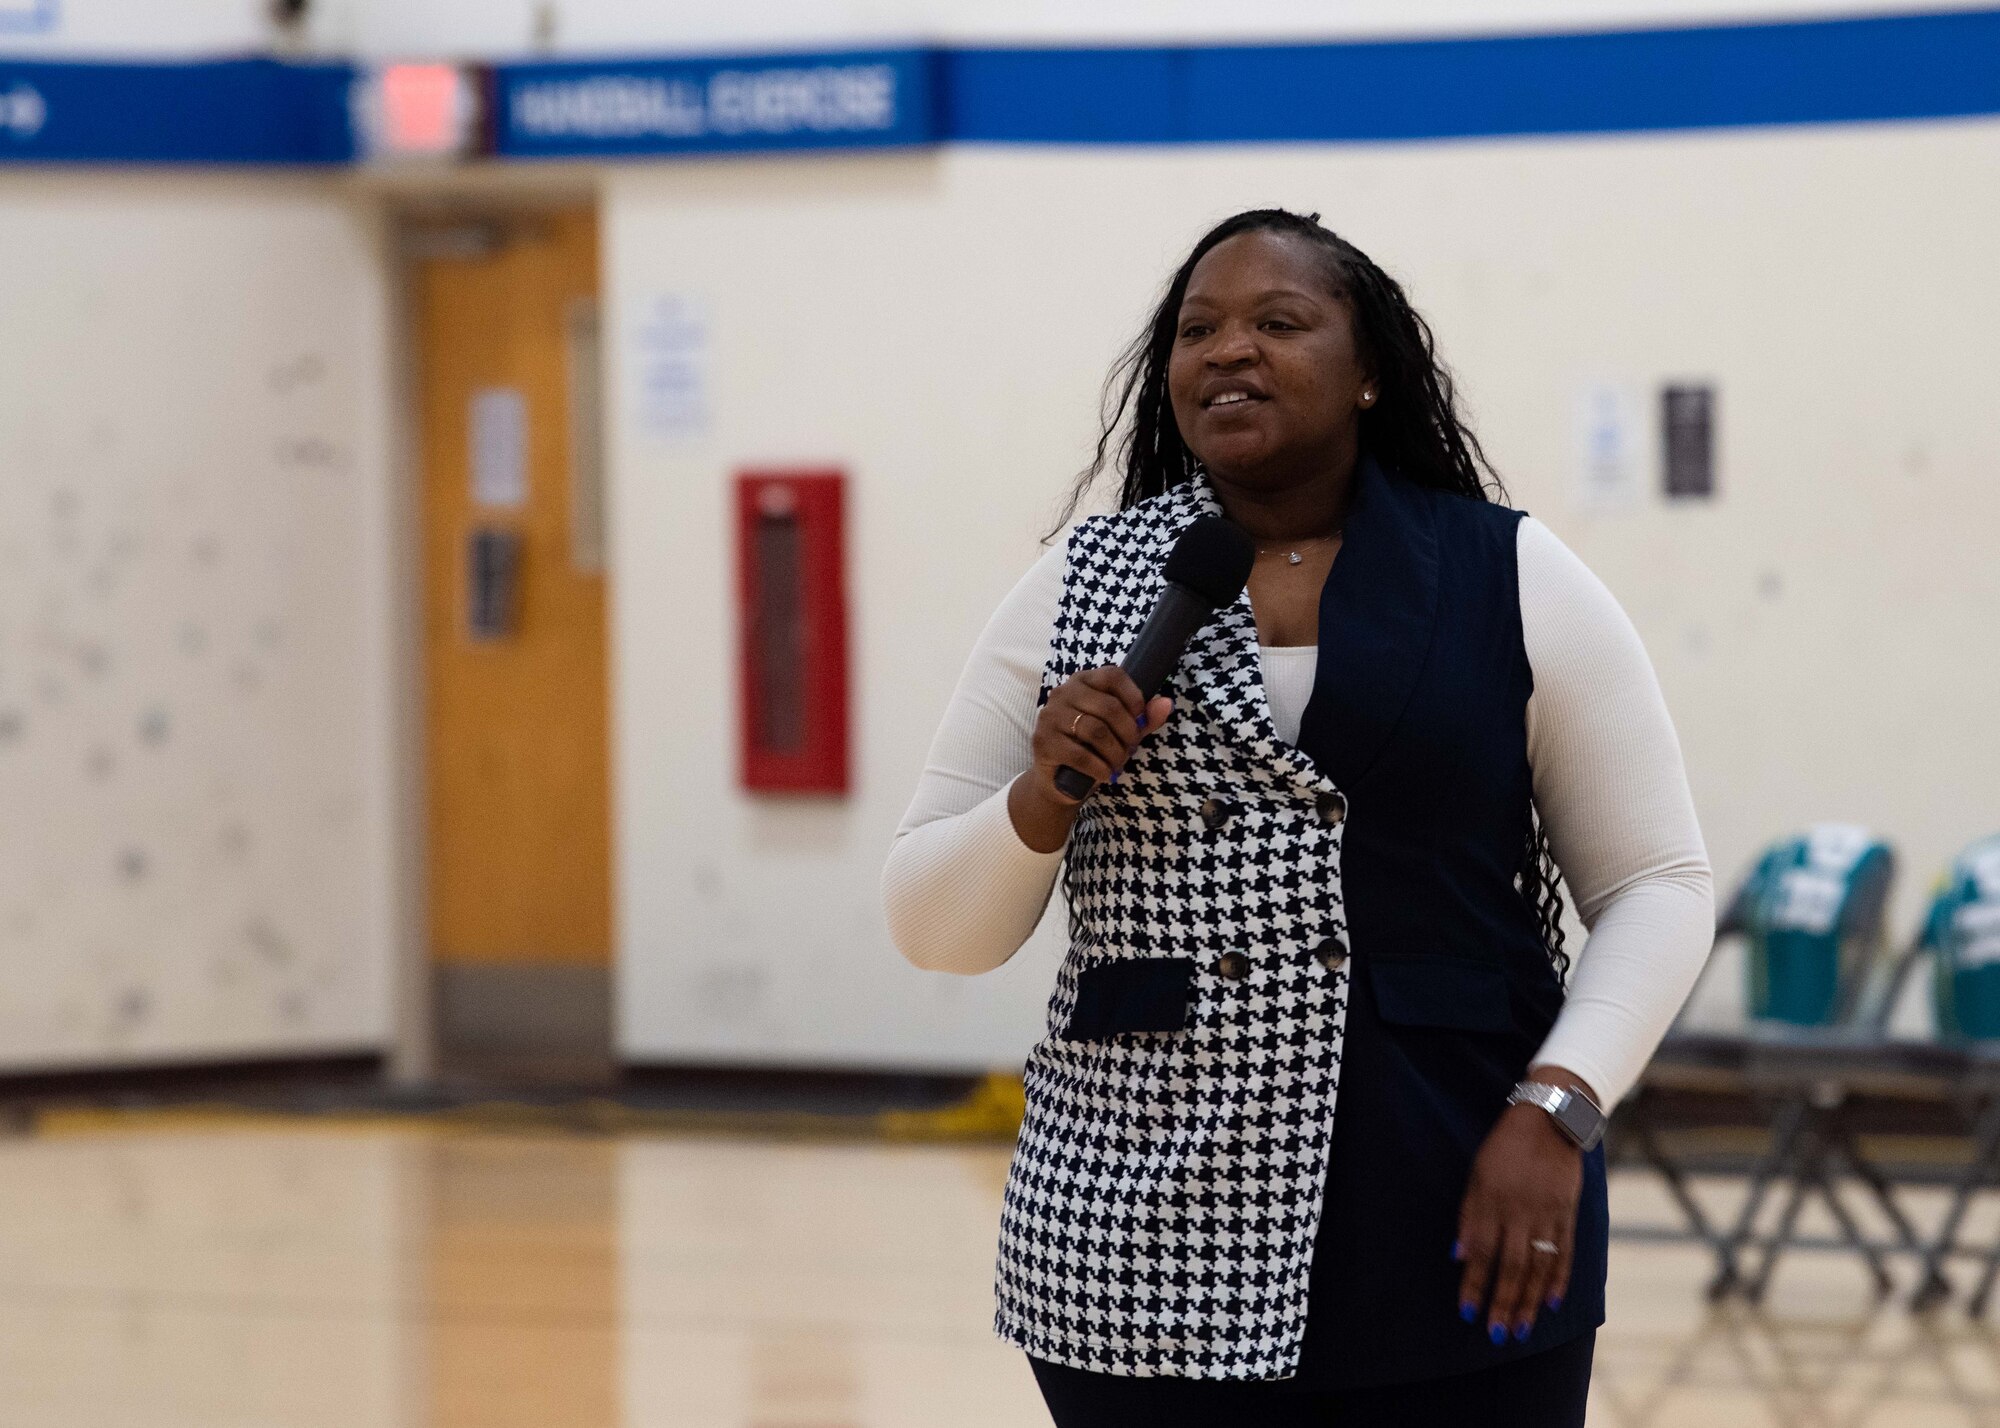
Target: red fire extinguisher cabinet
792,630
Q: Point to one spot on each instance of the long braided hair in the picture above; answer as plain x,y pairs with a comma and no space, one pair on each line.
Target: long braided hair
1415,428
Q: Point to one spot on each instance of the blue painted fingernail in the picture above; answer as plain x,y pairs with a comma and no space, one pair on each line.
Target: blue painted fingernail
1142,721
1468,1311
1114,775
1458,1249
1555,1302
1524,1328
1498,1333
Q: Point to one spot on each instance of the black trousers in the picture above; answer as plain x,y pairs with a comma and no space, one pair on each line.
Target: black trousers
1542,1390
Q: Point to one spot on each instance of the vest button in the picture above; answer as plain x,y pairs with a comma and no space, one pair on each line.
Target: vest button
1332,954
1216,811
1232,966
1332,807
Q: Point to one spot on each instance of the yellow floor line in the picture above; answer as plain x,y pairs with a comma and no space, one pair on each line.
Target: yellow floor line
991,1112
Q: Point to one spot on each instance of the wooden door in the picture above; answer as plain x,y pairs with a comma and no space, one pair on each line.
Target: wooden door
517,763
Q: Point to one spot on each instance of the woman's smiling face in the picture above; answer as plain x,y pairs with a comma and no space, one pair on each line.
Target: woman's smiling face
1266,377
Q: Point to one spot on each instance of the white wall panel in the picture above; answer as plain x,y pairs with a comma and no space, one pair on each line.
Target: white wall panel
193,679
941,325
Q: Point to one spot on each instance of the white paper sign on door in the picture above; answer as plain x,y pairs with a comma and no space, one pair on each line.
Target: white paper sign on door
499,428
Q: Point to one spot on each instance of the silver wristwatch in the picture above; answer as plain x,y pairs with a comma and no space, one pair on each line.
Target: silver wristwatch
1575,1114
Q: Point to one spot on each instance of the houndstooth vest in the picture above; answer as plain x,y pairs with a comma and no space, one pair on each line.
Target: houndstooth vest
1183,1192
1165,1194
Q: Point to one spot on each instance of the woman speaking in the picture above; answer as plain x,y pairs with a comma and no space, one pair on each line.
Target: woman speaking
1313,1135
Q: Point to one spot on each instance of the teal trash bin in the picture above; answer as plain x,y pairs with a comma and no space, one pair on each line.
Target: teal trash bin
1962,934
1811,915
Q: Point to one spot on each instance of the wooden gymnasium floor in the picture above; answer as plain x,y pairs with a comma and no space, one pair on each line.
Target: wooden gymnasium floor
278,1274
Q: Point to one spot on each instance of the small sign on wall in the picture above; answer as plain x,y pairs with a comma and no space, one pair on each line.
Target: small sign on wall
1608,420
1687,439
670,365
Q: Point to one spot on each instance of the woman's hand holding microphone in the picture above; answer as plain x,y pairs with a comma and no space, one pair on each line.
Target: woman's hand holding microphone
1092,722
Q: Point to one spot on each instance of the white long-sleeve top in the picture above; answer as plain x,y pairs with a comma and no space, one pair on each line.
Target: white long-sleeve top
963,892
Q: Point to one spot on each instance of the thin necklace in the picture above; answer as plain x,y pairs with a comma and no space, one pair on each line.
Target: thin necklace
1292,556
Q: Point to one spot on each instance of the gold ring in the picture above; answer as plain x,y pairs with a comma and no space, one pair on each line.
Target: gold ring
1074,722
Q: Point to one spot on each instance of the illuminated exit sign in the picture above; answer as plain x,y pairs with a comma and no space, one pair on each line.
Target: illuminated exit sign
417,111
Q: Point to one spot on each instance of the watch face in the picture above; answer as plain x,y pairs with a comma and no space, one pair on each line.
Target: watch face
1581,1119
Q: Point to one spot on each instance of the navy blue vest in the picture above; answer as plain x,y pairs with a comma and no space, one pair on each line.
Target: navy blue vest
1419,711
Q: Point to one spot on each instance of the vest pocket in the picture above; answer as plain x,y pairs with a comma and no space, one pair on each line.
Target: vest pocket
1131,994
1441,992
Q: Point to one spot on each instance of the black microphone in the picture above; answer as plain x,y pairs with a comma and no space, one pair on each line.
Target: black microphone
1206,571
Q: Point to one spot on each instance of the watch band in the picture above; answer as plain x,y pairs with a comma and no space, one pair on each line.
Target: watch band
1575,1114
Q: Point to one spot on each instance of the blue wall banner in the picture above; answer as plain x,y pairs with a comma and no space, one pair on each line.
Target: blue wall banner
261,111
1925,66
253,111
608,108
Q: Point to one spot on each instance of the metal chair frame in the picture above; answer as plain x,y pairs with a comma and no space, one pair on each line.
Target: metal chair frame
1982,1170
1812,1139
1814,1142
1813,1146
1980,1085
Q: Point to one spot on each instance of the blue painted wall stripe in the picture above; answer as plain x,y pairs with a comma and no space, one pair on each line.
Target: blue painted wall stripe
261,111
254,111
1829,71
1123,96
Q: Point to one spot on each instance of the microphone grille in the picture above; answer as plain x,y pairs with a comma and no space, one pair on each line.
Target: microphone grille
1213,558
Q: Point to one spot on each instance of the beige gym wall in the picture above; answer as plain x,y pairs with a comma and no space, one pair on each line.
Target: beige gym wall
940,325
